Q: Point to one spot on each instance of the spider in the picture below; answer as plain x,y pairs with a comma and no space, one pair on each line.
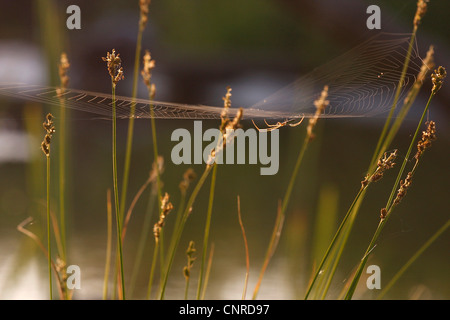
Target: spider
272,127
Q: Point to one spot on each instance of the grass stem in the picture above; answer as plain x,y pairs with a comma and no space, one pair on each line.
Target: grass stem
62,178
108,245
207,228
247,256
116,191
49,246
129,144
152,270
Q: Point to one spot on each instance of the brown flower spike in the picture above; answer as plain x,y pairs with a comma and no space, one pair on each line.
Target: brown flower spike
188,176
50,130
63,67
226,126
321,103
113,63
190,252
437,78
385,163
149,65
427,137
166,207
422,6
424,143
143,5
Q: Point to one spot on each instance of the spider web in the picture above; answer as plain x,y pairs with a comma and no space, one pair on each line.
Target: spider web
362,82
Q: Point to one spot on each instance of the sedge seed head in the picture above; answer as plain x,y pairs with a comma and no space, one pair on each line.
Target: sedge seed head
428,136
321,103
422,6
113,64
49,131
63,67
143,6
437,78
146,73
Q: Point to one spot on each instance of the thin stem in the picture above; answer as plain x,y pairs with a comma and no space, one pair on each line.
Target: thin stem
177,220
294,176
270,249
49,247
247,256
152,270
158,181
62,178
207,228
133,204
108,244
208,271
116,191
186,288
130,133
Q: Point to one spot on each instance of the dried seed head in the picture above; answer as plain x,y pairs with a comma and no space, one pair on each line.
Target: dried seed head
321,103
190,252
50,130
226,107
146,73
404,185
385,163
422,6
45,148
427,137
437,78
166,207
63,67
188,176
226,126
158,165
143,6
383,213
113,63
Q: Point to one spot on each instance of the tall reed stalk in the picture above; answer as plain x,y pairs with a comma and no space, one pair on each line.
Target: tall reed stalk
108,244
49,245
45,146
206,232
143,6
63,68
116,73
